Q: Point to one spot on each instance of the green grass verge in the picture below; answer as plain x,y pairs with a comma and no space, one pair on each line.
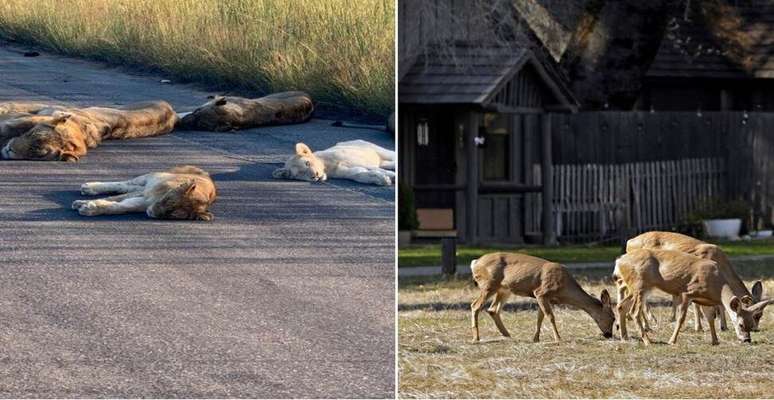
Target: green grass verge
341,52
430,255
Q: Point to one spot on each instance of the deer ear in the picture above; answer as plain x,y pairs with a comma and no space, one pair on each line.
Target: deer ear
221,101
735,304
605,297
303,150
760,305
281,173
757,291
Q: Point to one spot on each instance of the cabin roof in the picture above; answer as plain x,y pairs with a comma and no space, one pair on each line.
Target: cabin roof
690,49
468,74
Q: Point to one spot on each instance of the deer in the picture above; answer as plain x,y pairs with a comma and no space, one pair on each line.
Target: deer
690,245
691,279
503,274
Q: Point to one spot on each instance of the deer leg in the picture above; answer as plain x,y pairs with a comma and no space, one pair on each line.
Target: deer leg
720,311
536,338
621,294
697,316
622,312
494,312
645,314
710,313
675,302
545,306
475,308
684,304
650,314
637,314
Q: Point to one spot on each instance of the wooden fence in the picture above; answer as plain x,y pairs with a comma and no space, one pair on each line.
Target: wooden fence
596,202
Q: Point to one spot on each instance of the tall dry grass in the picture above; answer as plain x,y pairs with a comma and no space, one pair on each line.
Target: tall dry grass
338,50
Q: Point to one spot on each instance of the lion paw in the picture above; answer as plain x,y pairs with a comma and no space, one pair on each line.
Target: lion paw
78,204
89,189
89,209
383,180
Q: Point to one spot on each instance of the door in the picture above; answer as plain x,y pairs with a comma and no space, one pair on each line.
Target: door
435,159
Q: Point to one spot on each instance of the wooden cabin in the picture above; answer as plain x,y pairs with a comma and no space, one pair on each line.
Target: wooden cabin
714,65
475,142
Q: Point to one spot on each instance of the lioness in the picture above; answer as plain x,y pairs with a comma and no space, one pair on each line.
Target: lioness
180,193
357,160
232,113
68,133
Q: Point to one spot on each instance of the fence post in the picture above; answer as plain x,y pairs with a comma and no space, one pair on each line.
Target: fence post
449,256
547,169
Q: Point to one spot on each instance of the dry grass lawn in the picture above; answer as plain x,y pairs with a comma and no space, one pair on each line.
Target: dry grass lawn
437,359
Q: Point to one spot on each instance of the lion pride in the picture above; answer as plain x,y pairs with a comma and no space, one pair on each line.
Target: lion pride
66,134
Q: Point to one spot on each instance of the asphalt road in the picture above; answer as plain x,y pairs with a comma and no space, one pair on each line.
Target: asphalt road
289,292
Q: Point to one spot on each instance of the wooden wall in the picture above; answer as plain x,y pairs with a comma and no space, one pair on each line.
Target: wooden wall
624,137
744,140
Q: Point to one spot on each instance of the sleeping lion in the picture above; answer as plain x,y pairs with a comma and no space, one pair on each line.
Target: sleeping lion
18,117
356,160
233,113
65,134
18,123
180,193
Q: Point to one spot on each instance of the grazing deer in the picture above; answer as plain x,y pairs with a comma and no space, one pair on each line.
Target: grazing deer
503,274
692,279
676,241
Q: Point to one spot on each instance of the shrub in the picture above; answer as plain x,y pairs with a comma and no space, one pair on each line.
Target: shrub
715,208
407,214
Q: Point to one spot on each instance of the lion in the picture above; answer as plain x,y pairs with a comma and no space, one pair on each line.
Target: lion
356,160
16,118
233,113
29,107
183,193
15,124
69,133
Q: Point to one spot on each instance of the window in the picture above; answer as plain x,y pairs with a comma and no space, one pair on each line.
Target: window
497,147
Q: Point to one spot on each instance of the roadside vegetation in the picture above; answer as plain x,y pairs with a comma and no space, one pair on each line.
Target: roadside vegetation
339,51
438,360
430,255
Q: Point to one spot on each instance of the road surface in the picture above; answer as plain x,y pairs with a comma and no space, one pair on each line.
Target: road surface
289,292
